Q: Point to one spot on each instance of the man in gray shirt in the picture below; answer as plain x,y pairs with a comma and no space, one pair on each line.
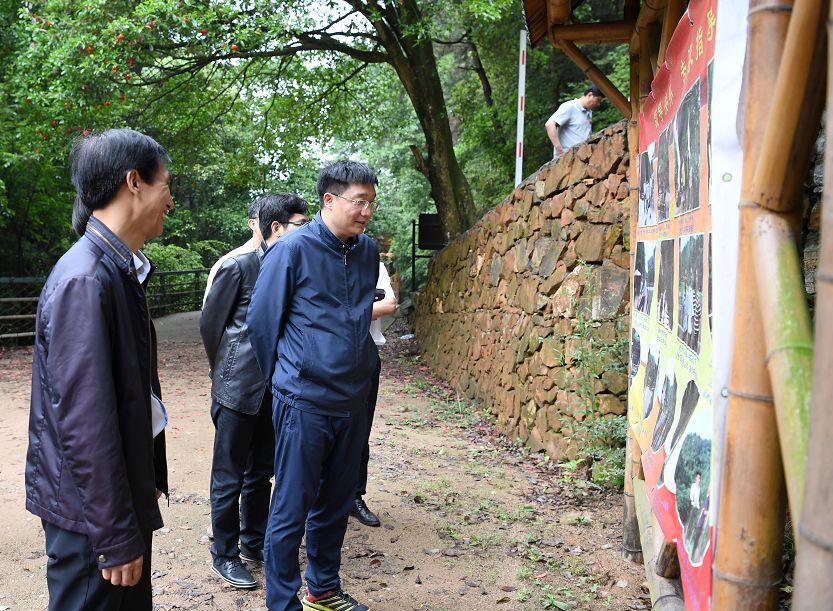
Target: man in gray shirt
571,123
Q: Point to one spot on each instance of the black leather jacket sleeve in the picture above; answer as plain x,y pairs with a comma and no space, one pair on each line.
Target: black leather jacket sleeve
220,304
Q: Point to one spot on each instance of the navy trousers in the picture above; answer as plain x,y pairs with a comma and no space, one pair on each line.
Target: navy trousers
242,465
361,486
74,580
316,465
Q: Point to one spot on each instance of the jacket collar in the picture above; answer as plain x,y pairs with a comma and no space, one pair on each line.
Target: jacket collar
319,228
98,233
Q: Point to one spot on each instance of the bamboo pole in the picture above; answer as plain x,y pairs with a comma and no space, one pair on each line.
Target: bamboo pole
610,32
815,534
787,327
666,594
652,12
631,546
788,104
667,561
750,519
596,75
646,67
673,11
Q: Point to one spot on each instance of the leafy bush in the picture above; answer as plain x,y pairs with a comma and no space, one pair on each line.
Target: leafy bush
171,258
210,250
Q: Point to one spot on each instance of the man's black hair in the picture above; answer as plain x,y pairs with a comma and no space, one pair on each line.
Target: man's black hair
253,208
337,177
99,164
278,207
595,91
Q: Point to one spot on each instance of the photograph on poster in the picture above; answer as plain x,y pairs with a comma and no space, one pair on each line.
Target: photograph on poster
688,404
646,214
667,403
651,374
687,152
709,280
636,349
709,81
691,396
692,477
665,284
643,276
690,291
663,166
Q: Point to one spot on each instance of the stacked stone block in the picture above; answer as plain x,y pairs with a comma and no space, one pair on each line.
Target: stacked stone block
510,304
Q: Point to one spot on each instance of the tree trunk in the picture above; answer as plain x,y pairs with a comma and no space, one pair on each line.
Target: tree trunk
412,56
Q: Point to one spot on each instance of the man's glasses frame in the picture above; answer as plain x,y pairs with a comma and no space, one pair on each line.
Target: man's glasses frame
297,223
361,203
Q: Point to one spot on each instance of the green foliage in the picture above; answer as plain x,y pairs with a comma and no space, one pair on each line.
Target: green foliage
241,119
601,438
695,455
169,257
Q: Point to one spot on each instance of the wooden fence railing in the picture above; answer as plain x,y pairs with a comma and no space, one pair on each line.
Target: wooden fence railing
168,292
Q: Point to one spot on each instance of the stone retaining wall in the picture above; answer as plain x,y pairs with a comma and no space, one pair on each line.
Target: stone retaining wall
526,312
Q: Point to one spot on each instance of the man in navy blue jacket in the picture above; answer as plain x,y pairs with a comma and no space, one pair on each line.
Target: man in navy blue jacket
312,304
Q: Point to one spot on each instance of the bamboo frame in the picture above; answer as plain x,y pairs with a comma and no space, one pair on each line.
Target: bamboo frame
815,533
611,32
666,594
560,11
596,75
750,519
631,545
674,10
651,13
787,326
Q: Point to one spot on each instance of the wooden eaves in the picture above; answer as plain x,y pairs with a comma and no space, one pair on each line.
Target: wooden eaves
647,30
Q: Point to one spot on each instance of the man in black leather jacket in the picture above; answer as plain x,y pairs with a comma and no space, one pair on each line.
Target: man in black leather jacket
241,406
96,466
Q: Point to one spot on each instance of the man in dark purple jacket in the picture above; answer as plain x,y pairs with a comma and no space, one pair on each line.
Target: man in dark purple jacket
96,466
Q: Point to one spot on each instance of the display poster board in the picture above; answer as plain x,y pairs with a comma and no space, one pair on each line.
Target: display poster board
672,398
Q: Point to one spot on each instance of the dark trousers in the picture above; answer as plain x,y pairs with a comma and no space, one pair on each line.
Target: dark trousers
244,448
361,485
74,580
316,463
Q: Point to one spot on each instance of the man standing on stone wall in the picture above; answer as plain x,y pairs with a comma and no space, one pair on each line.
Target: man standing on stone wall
572,123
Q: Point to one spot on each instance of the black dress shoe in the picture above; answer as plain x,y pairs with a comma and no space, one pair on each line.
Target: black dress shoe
251,555
232,571
363,514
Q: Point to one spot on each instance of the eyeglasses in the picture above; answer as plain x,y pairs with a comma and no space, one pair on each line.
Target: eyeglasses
361,203
297,223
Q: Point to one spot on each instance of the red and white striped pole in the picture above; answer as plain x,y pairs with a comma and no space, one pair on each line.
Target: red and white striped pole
519,145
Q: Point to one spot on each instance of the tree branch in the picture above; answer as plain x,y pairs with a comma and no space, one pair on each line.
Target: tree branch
420,160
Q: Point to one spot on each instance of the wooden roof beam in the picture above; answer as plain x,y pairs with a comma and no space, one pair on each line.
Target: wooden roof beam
652,12
559,11
599,79
612,32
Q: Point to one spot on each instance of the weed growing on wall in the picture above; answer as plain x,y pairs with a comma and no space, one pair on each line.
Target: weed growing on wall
601,438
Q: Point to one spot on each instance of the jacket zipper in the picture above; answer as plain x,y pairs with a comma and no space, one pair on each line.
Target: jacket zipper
147,313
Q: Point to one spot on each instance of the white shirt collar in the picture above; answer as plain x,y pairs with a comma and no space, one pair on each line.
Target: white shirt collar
142,265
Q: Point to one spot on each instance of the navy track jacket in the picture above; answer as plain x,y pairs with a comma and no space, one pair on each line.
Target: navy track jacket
309,319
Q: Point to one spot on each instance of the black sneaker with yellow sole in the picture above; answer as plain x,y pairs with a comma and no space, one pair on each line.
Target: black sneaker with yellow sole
334,601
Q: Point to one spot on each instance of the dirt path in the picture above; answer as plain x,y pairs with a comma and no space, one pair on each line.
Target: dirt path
469,520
